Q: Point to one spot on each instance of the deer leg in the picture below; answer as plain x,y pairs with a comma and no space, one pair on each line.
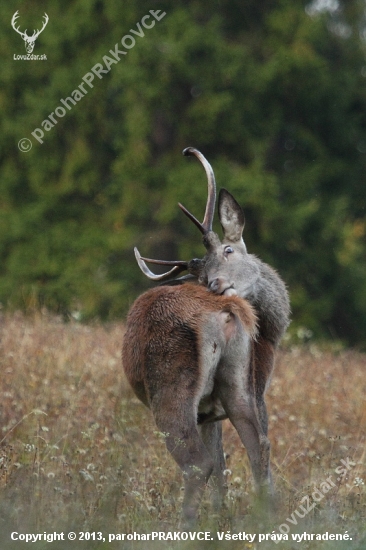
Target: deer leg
262,413
264,354
244,416
258,448
211,433
262,367
177,421
246,409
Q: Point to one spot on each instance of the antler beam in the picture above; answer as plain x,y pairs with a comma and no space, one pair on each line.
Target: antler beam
206,226
13,22
179,266
37,32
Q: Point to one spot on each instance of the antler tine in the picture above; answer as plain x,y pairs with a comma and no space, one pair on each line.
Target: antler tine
13,22
46,19
14,18
206,225
178,267
192,218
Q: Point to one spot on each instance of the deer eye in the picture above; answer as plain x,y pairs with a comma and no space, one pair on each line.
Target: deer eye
228,250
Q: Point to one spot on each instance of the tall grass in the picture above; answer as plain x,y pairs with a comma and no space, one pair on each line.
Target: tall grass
78,452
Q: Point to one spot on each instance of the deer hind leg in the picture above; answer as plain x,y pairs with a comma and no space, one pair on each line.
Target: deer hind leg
261,410
246,408
262,367
243,414
211,433
264,355
176,418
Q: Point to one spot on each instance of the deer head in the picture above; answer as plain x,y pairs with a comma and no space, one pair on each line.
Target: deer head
227,268
29,40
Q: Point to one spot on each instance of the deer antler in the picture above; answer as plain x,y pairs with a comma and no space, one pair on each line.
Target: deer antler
206,226
37,32
178,267
13,21
193,266
24,35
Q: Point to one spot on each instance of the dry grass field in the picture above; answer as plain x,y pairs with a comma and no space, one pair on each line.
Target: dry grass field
79,453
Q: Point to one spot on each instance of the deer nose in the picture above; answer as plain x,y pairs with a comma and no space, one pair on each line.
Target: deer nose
214,285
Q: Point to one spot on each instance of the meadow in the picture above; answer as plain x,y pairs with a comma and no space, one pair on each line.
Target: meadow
78,452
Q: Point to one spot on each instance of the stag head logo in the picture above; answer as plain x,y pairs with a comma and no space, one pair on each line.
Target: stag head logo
28,40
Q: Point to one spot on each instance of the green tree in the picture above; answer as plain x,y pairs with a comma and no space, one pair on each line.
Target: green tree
273,93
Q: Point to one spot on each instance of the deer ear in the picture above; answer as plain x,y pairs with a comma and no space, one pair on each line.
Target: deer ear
231,217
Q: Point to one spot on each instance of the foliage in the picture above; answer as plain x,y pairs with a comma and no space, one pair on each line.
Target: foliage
273,93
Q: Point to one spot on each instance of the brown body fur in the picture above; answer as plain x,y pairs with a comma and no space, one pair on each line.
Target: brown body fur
163,330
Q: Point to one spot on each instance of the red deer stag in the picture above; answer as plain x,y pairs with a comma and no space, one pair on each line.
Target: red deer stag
196,354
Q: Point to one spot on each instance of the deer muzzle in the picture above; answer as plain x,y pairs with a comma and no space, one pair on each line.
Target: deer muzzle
220,285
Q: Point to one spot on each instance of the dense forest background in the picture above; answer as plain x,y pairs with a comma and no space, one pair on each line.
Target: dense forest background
272,92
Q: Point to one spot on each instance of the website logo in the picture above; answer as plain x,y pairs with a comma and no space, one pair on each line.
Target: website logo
29,41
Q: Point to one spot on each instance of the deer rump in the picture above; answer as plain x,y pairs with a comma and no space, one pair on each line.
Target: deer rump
176,338
189,356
